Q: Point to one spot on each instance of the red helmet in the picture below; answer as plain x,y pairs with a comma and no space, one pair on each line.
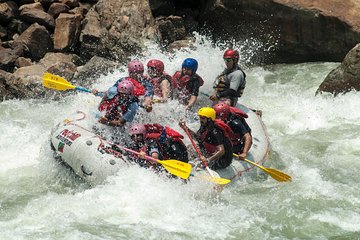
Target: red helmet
233,54
135,66
222,110
126,86
136,129
157,64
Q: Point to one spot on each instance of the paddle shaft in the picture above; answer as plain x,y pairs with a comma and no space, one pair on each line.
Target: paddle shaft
198,151
275,174
137,153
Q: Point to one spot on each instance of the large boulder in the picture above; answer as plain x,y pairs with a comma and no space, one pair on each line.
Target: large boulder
115,29
37,41
345,77
289,30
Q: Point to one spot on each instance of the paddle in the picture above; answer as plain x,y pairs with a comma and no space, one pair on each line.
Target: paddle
211,172
275,174
55,82
175,167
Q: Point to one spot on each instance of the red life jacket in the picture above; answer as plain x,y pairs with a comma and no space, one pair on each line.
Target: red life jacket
236,138
180,81
106,105
139,89
156,81
228,133
153,131
120,108
238,112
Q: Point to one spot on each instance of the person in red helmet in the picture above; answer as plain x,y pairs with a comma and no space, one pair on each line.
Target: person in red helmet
241,138
160,80
124,109
186,83
230,84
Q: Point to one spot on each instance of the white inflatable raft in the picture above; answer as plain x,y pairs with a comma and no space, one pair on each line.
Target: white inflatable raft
91,158
94,159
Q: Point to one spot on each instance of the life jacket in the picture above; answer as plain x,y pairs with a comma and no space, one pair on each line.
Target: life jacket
238,112
237,138
139,90
180,81
154,132
224,128
156,81
222,83
121,107
106,105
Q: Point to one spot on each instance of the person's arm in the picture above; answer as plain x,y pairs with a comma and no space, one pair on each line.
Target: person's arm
192,101
194,91
247,146
165,89
130,114
220,151
149,89
182,124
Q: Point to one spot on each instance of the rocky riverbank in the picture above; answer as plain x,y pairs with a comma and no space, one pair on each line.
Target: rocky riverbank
79,40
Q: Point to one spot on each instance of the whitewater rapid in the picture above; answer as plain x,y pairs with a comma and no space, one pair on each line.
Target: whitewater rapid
315,139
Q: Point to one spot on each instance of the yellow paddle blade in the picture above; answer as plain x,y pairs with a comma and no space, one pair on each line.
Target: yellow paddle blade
220,181
55,82
275,174
177,168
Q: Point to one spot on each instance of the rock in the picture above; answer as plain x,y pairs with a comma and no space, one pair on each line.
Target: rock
37,41
8,11
23,62
56,8
121,28
67,31
288,30
171,28
8,57
345,77
94,69
52,59
37,15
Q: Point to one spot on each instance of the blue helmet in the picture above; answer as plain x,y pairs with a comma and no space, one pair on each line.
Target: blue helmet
191,64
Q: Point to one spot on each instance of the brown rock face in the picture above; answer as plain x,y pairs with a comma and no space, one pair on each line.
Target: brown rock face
292,30
124,25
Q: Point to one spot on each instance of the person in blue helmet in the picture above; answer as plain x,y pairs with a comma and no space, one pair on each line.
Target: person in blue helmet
186,83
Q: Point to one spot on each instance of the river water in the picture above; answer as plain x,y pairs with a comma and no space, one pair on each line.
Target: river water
316,140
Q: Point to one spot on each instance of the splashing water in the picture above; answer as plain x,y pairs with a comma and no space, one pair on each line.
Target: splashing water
315,139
